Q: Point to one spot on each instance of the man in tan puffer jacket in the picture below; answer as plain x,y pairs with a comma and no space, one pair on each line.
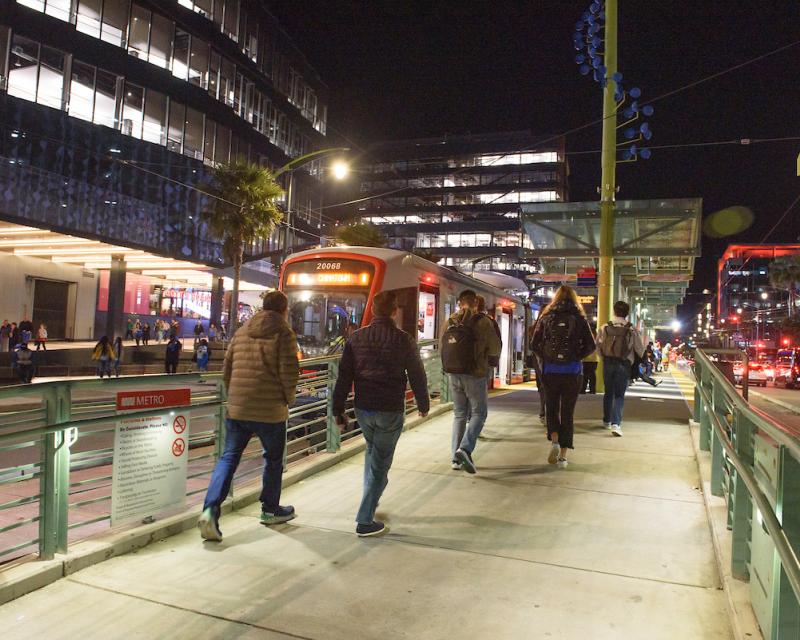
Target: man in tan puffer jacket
260,374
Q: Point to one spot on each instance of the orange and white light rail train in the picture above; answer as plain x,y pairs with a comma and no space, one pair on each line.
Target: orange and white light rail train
331,291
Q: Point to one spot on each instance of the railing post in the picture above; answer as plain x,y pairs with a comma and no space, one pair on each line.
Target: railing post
717,454
704,418
54,479
334,436
786,609
741,515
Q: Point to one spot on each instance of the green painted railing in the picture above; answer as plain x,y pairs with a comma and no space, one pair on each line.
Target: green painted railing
755,467
57,446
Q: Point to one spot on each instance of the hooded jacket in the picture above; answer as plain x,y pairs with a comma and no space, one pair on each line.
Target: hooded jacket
261,369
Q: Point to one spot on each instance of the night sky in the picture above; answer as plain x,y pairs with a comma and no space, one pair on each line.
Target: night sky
413,68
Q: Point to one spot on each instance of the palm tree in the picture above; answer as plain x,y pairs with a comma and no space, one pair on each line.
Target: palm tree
361,234
784,273
242,210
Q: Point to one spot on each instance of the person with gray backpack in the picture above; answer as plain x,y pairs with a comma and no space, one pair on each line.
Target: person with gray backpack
618,343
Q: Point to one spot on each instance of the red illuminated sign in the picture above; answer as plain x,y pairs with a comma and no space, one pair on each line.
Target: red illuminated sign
153,399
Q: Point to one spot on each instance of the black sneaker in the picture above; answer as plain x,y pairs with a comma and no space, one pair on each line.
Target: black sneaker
281,514
374,528
466,461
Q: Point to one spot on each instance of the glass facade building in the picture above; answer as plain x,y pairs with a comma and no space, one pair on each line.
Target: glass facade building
114,112
458,197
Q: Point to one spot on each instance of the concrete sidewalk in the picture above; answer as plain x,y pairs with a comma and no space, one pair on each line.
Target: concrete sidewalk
615,546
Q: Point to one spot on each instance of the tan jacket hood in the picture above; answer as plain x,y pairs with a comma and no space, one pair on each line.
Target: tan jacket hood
266,324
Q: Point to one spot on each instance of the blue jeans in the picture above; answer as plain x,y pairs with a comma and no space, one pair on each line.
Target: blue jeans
381,430
470,396
238,434
616,374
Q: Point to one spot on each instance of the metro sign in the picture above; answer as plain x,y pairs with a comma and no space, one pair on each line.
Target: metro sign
587,277
153,399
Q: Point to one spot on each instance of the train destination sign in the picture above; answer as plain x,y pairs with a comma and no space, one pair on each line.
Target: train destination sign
329,272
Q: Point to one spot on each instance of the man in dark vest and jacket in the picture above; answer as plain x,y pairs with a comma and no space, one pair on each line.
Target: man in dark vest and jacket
379,359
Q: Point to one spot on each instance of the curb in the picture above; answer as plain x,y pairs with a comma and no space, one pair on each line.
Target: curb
29,576
743,624
781,403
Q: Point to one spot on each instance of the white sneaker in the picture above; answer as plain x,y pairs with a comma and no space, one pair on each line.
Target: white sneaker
606,425
209,527
555,451
455,465
616,430
562,463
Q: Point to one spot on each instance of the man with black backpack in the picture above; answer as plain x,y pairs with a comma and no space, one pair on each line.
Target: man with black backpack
466,346
618,343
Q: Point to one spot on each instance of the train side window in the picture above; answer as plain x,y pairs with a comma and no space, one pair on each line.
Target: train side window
406,317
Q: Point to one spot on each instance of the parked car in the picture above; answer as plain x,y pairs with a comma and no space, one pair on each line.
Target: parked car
755,375
787,368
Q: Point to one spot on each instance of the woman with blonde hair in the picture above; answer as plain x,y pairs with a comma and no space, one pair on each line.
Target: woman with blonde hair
561,339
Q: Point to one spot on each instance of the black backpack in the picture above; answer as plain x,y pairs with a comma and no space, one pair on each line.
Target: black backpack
458,346
560,343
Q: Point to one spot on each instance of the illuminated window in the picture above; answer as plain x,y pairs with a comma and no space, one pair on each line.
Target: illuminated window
81,91
23,68
133,110
139,39
115,21
88,20
155,118
160,41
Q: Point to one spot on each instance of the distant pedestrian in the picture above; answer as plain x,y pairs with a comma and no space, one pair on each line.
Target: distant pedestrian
129,329
260,373
202,354
23,362
146,334
172,355
117,355
212,332
5,336
198,332
41,337
562,339
104,356
174,329
536,365
14,340
466,346
619,344
665,353
26,331
378,361
493,362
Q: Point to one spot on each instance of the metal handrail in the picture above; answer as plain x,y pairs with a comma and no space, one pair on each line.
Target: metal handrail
743,414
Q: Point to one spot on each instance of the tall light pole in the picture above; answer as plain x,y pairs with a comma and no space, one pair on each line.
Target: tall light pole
290,167
608,179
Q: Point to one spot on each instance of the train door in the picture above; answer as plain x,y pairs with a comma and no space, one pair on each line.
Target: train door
505,335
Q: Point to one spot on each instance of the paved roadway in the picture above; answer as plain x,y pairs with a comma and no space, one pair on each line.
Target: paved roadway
615,546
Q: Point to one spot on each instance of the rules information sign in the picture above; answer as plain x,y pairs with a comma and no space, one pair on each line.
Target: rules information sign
150,460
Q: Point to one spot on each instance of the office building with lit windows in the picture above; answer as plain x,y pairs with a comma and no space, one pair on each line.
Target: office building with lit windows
113,112
458,197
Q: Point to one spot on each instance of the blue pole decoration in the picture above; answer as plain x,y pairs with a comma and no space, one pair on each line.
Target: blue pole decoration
588,41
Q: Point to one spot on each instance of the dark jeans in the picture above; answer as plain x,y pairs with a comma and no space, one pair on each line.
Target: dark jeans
562,395
237,435
589,377
615,377
381,430
25,373
171,366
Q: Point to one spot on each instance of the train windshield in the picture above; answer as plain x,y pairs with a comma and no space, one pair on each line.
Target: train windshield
323,320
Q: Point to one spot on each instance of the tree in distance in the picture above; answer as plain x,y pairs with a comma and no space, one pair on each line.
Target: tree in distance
241,211
360,234
784,273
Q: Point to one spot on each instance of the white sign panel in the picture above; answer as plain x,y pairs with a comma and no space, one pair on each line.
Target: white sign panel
149,472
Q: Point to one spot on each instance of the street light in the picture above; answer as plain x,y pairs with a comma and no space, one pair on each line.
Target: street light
764,295
676,326
340,169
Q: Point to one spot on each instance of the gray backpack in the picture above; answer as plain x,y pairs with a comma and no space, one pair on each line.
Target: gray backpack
618,341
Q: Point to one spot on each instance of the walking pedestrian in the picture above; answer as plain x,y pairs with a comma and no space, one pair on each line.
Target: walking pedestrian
666,351
590,369
5,336
198,332
103,355
562,339
492,361
146,334
172,355
129,329
212,332
23,362
466,346
14,340
41,337
202,355
260,373
117,355
26,330
618,344
377,362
